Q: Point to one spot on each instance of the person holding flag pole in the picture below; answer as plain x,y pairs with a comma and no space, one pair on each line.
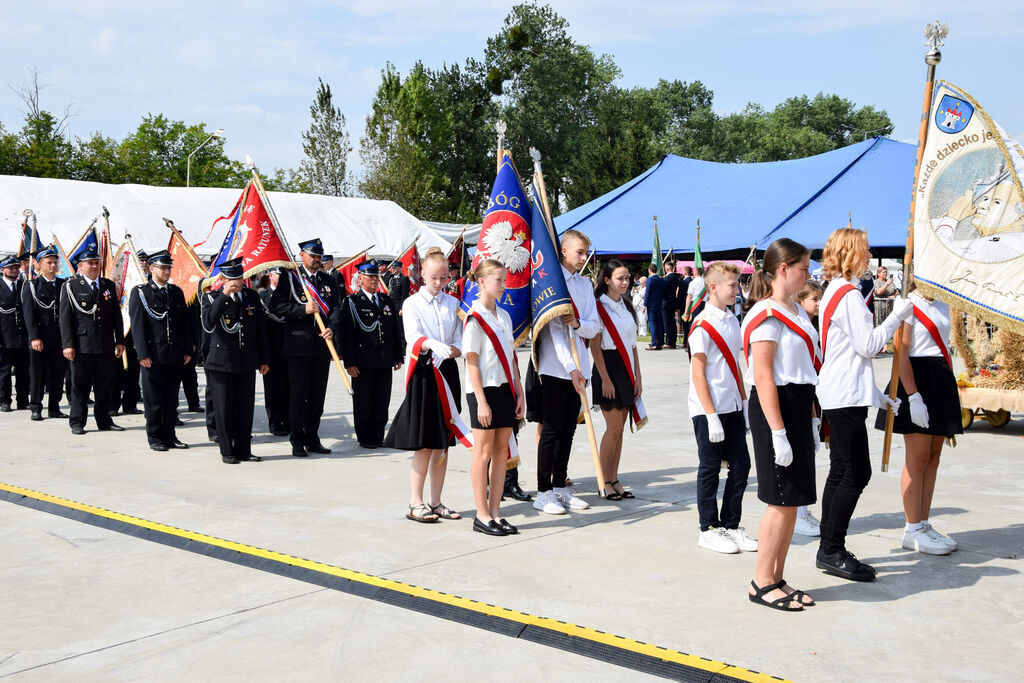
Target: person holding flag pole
696,293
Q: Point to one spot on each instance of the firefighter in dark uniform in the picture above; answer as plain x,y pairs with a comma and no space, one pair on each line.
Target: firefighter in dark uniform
233,317
305,352
40,304
371,347
162,331
275,381
92,334
13,340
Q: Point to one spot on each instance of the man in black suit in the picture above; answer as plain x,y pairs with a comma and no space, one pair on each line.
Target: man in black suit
653,300
670,304
40,303
275,381
13,340
162,331
233,316
305,349
371,347
92,335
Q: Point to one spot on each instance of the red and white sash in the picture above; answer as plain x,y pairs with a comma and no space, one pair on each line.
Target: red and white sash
786,318
638,414
723,348
933,330
506,365
453,421
826,316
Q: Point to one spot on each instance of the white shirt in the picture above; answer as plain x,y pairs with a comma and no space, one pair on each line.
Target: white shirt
921,342
725,394
372,296
792,363
90,282
847,378
624,324
475,340
433,317
555,353
695,288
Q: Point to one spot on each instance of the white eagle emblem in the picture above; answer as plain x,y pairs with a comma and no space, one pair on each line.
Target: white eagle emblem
506,247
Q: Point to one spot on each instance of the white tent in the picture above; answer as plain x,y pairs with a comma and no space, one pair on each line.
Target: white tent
64,208
451,231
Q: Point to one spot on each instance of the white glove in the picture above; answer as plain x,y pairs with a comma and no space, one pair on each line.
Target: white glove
715,432
902,308
883,401
746,414
918,410
440,349
816,427
783,451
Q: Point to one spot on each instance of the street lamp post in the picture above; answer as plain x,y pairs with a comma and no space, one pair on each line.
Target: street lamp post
188,165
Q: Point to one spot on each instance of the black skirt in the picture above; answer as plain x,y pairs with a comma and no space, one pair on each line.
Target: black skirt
937,386
420,422
502,405
785,486
619,376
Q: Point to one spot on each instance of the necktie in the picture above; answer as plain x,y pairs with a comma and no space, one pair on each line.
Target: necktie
95,287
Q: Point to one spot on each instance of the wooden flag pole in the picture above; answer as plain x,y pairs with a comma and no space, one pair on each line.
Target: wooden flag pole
500,127
538,180
305,287
935,35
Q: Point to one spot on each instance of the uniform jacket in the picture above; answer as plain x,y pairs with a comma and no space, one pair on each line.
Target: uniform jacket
371,336
275,328
670,297
12,321
40,303
90,322
237,332
398,290
302,335
161,324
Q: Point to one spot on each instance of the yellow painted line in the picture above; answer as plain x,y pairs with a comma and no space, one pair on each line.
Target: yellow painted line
409,589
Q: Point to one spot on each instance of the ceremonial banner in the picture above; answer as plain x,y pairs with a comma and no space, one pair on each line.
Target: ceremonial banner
698,262
409,258
656,254
549,295
259,237
64,268
505,237
187,269
969,215
348,269
458,255
89,241
127,274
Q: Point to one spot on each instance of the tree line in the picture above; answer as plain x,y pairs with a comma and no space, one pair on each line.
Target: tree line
429,139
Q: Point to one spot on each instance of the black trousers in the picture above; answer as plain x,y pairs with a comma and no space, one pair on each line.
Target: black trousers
276,395
668,322
711,455
126,393
561,410
92,371
46,373
233,395
160,399
848,474
307,378
14,366
371,394
190,383
211,418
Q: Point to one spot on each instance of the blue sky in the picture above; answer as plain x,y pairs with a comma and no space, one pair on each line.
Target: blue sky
251,67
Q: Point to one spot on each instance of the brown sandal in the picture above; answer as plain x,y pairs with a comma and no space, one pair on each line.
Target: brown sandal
444,512
421,513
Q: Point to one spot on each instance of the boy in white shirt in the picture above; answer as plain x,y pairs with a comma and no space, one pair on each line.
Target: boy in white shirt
718,405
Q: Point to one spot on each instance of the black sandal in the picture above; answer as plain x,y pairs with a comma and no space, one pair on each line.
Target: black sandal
614,495
780,603
799,595
625,493
421,513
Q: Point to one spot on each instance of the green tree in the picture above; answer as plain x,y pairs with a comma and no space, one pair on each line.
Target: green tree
44,151
98,159
326,146
10,161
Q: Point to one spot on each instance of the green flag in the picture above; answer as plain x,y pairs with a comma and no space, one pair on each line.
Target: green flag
656,253
698,262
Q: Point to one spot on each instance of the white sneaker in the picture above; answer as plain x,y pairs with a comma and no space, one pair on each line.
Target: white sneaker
941,538
548,502
717,540
567,498
923,543
740,538
807,525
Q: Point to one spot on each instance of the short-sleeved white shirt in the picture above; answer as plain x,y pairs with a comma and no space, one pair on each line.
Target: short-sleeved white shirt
921,342
475,340
623,321
725,394
793,363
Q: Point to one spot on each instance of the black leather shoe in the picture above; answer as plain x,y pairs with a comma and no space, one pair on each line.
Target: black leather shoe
318,448
229,460
56,413
516,492
845,565
37,415
370,446
5,407
177,444
250,458
131,411
112,428
509,529
299,451
195,409
280,431
491,528
159,447
78,430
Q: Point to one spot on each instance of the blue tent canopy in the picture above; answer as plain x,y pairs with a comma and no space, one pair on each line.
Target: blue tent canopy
741,205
